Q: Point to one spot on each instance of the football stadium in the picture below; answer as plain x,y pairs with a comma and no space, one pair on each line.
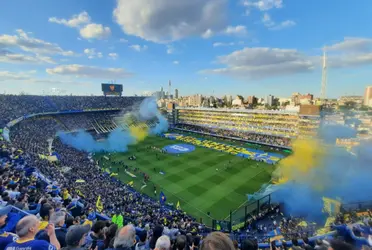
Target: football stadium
89,165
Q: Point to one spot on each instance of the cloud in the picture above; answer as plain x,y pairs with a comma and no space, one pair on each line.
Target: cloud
95,31
263,5
269,23
176,62
170,49
29,44
237,30
15,76
122,40
7,56
113,56
350,60
219,44
138,47
86,27
88,71
263,63
74,22
91,53
168,20
351,52
207,34
352,44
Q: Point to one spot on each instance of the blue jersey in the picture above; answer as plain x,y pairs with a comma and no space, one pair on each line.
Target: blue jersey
30,245
6,239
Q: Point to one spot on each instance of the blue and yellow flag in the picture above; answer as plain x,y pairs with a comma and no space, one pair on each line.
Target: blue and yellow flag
178,206
99,205
163,198
331,206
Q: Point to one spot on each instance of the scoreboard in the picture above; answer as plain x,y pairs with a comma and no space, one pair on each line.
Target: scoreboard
112,89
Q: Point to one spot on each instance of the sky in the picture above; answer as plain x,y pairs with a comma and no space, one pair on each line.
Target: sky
245,47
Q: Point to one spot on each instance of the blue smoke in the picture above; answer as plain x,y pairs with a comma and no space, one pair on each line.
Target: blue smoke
149,111
118,140
161,127
342,175
329,133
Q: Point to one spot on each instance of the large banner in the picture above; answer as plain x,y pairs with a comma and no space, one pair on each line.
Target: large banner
112,89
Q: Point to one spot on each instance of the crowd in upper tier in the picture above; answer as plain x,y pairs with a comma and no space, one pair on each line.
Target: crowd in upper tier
15,106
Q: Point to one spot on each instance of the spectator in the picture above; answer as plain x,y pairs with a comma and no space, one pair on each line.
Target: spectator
217,241
142,244
110,236
5,237
196,243
45,213
75,237
340,245
58,219
163,243
249,245
22,202
180,242
158,231
26,230
125,239
96,237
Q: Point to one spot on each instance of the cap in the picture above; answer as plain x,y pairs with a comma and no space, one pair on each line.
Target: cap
4,211
75,234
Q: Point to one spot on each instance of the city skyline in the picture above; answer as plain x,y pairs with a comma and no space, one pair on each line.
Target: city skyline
247,47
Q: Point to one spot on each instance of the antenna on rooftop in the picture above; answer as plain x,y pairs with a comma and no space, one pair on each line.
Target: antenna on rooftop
324,76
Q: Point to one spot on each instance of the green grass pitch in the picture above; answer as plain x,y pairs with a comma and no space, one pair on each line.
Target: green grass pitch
192,178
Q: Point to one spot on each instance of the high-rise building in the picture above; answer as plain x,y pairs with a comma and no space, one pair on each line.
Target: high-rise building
162,93
176,93
295,99
368,96
195,100
270,100
252,100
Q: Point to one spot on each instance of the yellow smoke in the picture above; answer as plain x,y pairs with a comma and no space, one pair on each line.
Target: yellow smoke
307,155
139,131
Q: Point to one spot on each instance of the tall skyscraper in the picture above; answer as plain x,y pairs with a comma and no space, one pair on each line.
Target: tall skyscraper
176,93
368,96
270,100
323,90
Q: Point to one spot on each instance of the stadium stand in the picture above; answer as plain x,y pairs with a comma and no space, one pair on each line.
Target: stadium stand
97,207
273,128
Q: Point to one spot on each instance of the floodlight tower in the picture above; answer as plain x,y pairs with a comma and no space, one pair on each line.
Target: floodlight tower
324,76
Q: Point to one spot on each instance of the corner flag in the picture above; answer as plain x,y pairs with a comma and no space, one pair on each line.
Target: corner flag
178,206
99,205
163,198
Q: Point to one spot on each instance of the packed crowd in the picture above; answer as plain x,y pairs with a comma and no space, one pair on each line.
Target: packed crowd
275,124
15,106
60,200
250,137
